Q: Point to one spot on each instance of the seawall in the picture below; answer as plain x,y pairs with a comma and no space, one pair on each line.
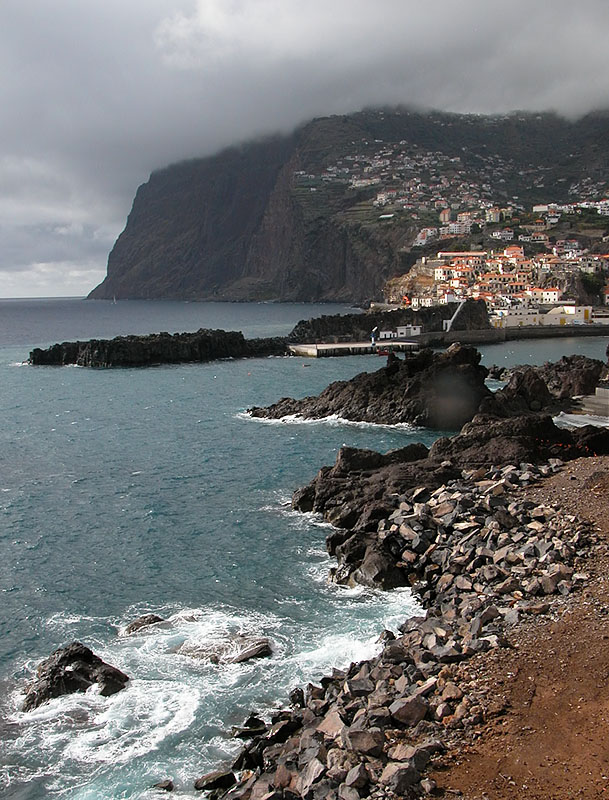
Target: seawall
498,335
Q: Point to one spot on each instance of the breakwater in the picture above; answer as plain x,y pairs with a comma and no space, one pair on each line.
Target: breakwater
499,335
158,348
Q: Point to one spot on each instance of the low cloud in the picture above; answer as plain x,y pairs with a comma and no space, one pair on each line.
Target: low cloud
97,95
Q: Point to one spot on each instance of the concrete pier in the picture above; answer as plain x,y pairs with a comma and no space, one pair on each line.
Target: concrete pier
597,403
351,348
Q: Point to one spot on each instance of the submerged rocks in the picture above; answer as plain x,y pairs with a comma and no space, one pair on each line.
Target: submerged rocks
74,668
143,622
230,649
437,390
158,348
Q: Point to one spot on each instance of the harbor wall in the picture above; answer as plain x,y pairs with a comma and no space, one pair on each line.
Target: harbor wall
498,335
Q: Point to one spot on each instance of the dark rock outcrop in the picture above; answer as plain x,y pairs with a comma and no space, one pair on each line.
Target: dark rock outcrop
157,348
363,486
435,390
570,376
357,327
73,668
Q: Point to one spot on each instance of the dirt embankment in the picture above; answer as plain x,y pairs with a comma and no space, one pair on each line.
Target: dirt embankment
549,736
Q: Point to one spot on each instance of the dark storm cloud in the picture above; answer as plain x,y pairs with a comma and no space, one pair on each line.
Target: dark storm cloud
93,95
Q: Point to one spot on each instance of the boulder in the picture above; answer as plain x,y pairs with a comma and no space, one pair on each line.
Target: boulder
232,649
164,786
143,622
409,710
69,669
399,777
213,781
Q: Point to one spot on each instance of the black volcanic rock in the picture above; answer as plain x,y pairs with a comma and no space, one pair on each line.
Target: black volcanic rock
526,391
435,390
158,348
363,487
144,621
70,669
570,376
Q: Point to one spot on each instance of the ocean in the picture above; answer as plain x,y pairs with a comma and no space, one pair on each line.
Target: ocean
131,491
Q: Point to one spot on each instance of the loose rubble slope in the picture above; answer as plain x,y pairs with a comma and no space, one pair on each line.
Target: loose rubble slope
483,558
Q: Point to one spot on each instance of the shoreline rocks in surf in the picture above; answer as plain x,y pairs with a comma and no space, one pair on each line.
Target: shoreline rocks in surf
444,390
158,348
364,487
74,668
483,559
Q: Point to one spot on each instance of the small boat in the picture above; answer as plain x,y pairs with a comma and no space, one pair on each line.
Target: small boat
383,352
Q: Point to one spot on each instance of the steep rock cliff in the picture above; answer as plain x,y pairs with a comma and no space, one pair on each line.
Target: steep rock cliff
286,218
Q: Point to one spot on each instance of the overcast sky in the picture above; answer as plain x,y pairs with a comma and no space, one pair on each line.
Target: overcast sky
95,94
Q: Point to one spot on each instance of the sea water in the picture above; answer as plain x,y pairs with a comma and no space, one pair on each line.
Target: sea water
130,491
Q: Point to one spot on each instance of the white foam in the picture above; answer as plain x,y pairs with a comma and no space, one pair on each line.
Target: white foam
134,722
334,420
564,420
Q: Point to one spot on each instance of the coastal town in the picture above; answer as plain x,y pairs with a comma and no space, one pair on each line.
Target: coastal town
519,290
463,231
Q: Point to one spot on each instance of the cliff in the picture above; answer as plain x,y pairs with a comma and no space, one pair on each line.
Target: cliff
292,218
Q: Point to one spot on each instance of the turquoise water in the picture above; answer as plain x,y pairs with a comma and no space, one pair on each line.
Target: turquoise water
129,491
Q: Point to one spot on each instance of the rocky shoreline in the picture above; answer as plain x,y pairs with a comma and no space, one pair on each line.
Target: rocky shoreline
444,391
481,559
455,524
450,523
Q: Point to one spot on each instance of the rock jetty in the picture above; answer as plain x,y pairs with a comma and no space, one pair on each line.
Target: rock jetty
158,348
481,559
70,669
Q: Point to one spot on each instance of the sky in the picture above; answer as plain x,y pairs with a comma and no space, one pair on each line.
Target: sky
96,94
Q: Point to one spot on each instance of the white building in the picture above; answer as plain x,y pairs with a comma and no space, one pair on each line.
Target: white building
402,332
568,315
544,296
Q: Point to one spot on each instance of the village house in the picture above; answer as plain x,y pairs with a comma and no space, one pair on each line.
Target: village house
543,296
505,234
